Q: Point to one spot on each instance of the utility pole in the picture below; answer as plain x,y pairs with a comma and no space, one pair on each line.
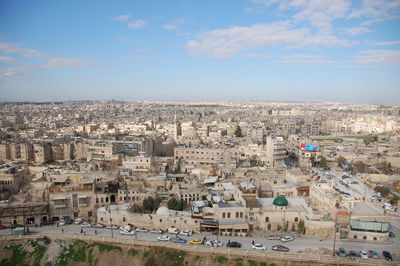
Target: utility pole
111,225
334,238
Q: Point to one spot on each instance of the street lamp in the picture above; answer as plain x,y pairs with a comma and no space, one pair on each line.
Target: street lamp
111,227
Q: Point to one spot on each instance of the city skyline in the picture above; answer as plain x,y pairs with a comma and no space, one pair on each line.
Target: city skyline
260,50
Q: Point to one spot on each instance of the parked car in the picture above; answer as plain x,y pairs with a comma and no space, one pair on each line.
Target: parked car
86,225
373,254
280,248
99,226
196,241
163,238
46,223
2,227
126,228
272,237
113,226
156,231
126,232
186,233
387,255
391,234
258,246
353,255
13,226
142,230
173,230
287,238
61,223
342,252
233,244
214,243
363,254
178,240
78,220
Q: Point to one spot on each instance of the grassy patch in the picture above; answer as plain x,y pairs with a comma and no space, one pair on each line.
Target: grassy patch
221,260
106,247
164,256
75,251
196,258
18,256
133,252
38,253
146,254
252,263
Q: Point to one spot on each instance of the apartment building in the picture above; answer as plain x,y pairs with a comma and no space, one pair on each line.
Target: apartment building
276,151
206,156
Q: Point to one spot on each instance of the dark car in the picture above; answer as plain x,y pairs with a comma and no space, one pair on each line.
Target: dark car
48,223
391,234
233,244
373,254
280,248
178,240
342,252
387,255
13,226
353,255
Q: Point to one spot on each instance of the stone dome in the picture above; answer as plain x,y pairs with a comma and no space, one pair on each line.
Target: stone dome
163,211
191,133
280,201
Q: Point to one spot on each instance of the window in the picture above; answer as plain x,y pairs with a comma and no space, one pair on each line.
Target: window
375,238
355,237
229,215
101,218
241,215
267,219
123,219
223,215
237,215
296,219
160,220
365,237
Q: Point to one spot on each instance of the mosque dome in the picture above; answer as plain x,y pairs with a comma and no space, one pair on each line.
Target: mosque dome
280,201
163,211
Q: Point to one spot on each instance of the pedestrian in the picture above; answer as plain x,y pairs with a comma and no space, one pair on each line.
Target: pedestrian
81,231
252,242
62,230
95,232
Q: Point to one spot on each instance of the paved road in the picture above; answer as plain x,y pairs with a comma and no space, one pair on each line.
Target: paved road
296,245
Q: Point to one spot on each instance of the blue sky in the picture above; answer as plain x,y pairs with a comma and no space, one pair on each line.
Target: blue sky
294,50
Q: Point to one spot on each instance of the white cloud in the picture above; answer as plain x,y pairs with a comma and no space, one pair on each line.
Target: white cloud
169,26
15,48
255,55
6,59
378,57
136,24
388,43
301,56
227,42
55,62
383,9
356,31
123,17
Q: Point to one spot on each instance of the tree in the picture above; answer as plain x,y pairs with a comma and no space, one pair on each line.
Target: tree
300,227
360,166
150,204
238,132
286,226
176,205
322,162
269,227
383,190
293,228
340,160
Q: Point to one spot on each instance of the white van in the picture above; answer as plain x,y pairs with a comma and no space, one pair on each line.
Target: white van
126,228
173,230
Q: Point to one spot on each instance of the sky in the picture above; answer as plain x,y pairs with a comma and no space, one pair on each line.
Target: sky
258,50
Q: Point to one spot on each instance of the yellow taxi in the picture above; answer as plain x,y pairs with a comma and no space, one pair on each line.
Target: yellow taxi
196,241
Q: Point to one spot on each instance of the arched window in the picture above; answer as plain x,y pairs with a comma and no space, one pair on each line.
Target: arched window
266,219
296,219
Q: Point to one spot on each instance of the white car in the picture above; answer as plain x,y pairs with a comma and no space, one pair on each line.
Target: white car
287,238
78,221
143,230
156,231
98,226
61,223
125,232
186,233
163,238
363,254
214,243
258,246
86,224
113,226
